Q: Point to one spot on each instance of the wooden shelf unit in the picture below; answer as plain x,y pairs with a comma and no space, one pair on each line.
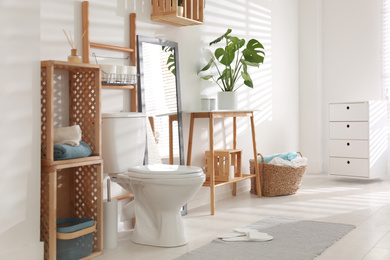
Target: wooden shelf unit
212,183
71,188
87,45
167,12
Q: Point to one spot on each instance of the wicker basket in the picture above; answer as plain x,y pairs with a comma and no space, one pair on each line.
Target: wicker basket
277,180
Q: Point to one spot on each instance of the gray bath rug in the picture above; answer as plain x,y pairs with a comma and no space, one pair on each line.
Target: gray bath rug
292,240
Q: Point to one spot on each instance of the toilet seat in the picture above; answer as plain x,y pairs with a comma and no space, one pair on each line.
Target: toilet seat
164,171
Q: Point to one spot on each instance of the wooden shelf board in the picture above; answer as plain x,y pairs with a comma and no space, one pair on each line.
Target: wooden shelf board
222,114
173,19
63,164
118,86
237,179
65,65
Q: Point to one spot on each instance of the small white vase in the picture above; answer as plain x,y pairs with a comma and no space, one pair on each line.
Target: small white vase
227,100
180,11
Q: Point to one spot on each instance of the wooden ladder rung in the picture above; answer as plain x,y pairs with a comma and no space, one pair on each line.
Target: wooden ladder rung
110,47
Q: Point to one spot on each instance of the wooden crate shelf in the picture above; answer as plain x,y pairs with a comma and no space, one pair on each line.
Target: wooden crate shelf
71,188
167,12
84,104
223,160
71,192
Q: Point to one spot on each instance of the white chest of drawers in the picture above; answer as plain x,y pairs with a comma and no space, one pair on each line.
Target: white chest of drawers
358,139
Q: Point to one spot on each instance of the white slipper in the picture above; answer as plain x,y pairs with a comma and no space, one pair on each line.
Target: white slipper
244,230
230,235
253,236
237,232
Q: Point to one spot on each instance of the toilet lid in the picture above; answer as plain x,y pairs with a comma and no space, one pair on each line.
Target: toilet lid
165,171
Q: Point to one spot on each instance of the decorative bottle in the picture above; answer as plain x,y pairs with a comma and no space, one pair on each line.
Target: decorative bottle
74,57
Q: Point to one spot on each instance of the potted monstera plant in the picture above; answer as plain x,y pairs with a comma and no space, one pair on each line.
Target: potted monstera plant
228,66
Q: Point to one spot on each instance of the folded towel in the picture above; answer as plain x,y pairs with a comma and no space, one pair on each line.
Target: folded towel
285,156
67,135
66,152
297,162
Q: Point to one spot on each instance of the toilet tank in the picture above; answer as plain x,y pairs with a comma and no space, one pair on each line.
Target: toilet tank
123,140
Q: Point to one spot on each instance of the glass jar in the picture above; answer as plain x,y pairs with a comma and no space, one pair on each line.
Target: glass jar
74,57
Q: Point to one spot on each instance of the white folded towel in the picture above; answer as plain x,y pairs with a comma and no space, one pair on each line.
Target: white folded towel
297,162
67,135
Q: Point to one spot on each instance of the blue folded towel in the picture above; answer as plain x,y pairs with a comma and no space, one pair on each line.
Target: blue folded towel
66,152
286,156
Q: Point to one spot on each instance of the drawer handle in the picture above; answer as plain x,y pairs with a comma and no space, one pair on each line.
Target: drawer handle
347,107
347,126
348,162
348,144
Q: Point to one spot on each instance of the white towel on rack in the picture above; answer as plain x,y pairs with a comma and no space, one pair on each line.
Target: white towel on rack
67,135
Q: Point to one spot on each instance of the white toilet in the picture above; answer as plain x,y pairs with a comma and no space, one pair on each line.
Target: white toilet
159,190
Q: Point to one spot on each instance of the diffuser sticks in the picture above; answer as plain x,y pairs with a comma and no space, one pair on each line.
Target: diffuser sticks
73,57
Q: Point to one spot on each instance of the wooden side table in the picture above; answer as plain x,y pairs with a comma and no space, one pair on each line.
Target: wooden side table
211,115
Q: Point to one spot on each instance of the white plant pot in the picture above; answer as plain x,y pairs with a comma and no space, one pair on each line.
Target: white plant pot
227,100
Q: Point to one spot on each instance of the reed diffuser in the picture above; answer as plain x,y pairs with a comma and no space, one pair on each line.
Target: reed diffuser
73,57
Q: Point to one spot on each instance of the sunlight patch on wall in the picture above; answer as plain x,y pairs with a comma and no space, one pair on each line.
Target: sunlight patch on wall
19,41
55,17
247,19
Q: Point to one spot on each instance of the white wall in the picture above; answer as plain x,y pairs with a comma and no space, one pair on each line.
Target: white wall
351,54
352,33
310,83
20,130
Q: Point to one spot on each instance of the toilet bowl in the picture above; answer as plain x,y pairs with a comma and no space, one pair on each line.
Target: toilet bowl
159,190
159,193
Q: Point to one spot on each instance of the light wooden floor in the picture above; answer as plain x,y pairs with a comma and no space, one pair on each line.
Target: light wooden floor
364,203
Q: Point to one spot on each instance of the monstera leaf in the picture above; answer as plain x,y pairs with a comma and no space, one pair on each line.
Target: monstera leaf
221,37
251,53
171,59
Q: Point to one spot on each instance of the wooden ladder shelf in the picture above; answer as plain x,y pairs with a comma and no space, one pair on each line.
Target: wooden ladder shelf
87,45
